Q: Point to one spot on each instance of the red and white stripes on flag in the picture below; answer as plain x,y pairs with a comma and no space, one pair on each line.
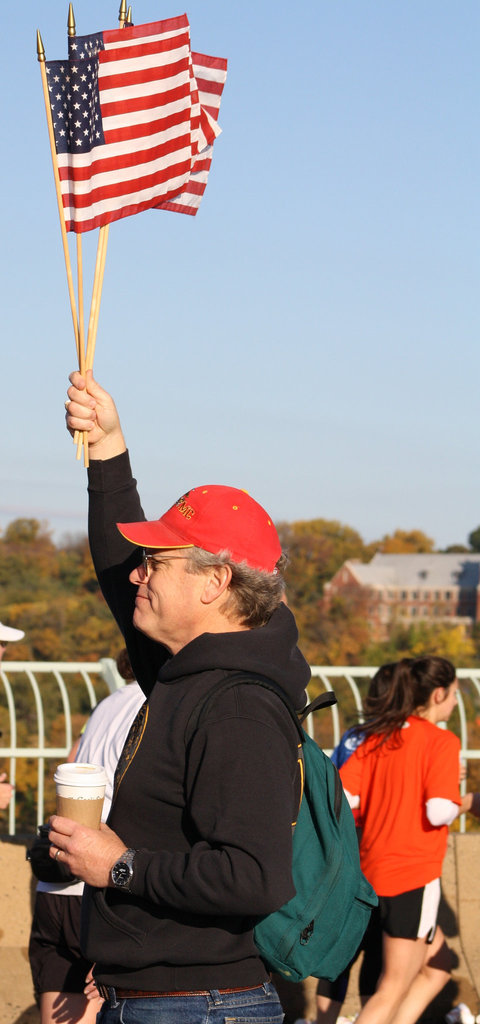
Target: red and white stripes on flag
210,74
127,121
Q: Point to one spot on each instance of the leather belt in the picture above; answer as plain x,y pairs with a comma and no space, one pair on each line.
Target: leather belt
113,994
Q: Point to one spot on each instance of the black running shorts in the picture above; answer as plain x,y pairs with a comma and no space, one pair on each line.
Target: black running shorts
56,962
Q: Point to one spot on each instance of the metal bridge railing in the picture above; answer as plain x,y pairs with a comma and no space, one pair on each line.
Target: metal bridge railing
93,680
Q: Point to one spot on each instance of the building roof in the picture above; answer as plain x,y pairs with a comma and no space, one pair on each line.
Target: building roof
430,570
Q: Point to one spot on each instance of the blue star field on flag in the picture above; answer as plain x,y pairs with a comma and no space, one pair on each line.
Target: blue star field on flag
74,99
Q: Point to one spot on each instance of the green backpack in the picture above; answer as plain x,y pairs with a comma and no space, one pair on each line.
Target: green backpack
319,930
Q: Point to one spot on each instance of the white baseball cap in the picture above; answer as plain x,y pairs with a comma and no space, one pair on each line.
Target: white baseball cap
8,634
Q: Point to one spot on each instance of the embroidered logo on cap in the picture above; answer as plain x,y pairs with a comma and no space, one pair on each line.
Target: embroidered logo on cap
185,510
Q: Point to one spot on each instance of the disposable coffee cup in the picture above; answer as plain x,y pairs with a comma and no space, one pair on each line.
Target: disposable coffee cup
80,792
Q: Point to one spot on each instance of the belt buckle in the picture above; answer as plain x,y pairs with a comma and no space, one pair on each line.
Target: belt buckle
108,993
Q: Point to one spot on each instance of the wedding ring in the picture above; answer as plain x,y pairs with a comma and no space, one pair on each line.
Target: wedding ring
57,854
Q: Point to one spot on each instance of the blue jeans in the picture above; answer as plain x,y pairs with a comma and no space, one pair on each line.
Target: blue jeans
260,1005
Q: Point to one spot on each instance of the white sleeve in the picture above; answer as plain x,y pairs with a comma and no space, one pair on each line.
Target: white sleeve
441,811
354,801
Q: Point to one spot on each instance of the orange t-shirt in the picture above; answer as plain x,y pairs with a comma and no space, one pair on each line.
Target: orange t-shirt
400,850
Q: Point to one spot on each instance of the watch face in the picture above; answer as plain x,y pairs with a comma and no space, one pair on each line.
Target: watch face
121,873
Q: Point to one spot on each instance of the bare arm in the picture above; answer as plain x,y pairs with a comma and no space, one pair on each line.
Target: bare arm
470,804
6,790
91,408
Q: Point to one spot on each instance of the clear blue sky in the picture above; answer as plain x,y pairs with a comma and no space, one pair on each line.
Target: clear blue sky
313,334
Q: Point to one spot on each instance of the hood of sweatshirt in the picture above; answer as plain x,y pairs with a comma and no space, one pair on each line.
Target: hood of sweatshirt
270,650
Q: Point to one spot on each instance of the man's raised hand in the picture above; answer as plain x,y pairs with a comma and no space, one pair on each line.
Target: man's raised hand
90,408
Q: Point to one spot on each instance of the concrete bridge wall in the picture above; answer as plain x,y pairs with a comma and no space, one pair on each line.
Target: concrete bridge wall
460,919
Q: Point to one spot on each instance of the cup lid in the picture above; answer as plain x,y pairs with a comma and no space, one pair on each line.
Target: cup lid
79,773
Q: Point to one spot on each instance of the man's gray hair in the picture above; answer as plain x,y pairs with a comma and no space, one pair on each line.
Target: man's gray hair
253,594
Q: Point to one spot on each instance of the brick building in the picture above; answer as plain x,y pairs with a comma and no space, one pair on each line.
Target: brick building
409,588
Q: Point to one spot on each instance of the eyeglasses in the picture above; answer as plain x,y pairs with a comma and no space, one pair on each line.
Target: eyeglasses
152,562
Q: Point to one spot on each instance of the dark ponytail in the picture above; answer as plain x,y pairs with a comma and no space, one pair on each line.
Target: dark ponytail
429,674
399,689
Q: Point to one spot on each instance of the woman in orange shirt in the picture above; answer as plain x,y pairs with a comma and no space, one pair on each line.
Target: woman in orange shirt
404,778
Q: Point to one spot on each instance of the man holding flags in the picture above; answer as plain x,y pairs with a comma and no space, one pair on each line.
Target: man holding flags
199,838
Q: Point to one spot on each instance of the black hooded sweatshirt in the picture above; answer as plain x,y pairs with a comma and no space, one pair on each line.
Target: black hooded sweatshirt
210,813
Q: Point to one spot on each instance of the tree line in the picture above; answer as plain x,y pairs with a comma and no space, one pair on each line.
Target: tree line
50,591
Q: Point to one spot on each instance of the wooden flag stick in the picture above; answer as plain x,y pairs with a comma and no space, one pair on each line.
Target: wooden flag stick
101,257
96,295
93,321
91,355
83,436
72,29
61,212
99,263
81,323
79,438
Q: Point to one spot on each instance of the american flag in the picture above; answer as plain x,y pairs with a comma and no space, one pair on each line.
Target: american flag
127,121
210,75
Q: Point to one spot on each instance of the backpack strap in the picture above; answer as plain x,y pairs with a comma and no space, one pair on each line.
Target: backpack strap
201,709
324,700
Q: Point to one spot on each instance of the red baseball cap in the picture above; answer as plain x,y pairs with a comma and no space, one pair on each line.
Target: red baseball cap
213,518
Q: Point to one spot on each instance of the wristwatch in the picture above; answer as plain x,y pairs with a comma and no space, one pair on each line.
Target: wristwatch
122,871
